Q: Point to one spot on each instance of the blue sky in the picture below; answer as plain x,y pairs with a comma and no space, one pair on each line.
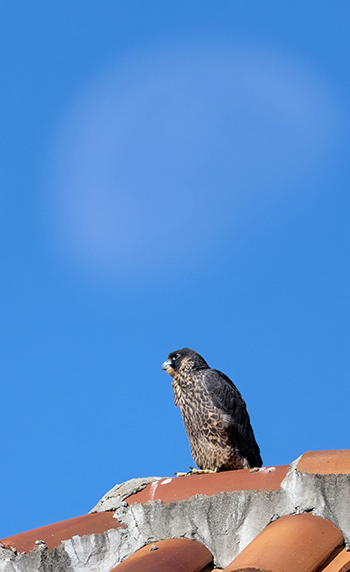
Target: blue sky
172,174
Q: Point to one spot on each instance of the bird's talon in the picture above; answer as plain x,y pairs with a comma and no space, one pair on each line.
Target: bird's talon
254,470
202,471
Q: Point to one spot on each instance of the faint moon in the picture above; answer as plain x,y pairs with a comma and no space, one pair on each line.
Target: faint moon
159,158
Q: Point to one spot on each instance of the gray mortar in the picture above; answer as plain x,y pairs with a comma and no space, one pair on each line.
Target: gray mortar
115,497
91,553
225,523
327,496
40,560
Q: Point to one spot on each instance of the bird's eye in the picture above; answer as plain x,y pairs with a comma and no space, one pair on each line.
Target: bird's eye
174,358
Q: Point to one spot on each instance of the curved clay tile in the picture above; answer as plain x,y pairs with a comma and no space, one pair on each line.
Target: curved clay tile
325,462
339,561
174,489
53,534
292,543
171,555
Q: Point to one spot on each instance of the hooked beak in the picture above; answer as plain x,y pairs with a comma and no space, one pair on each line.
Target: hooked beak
166,365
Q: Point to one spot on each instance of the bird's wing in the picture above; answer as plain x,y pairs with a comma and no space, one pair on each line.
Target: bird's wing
226,397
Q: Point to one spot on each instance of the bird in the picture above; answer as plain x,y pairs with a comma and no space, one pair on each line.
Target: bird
214,413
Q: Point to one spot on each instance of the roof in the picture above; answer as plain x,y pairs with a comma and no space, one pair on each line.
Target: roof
292,518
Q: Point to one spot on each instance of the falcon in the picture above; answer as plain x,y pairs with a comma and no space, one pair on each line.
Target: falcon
215,415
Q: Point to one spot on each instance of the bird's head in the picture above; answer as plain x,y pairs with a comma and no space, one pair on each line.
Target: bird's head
183,357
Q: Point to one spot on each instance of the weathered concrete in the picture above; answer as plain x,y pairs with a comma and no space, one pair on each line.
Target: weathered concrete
323,495
115,497
92,553
225,523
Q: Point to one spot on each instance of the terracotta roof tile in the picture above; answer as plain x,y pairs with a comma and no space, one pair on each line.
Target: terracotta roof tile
182,488
339,561
325,462
53,534
223,523
291,543
172,555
